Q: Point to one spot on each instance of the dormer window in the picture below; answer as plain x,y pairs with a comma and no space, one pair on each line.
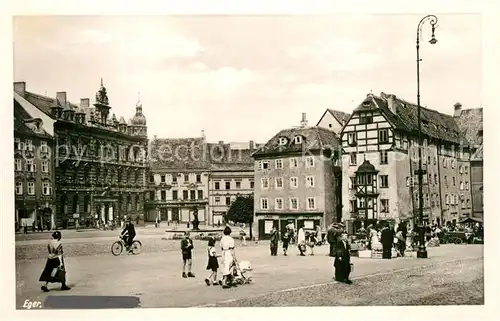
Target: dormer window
298,140
283,141
365,118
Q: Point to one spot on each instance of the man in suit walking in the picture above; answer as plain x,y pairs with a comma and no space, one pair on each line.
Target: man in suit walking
387,239
342,261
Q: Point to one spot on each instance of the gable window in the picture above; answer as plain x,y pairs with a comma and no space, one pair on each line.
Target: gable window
383,135
384,157
283,141
29,145
365,119
309,161
351,139
265,183
294,182
264,204
298,140
279,164
294,163
311,204
294,203
310,181
278,203
279,182
265,165
43,146
384,181
353,159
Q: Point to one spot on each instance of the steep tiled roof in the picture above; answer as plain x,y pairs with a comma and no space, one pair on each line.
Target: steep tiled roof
315,138
434,124
340,116
178,153
43,102
222,156
470,123
20,127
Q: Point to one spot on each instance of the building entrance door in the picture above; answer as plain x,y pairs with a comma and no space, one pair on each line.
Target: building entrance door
175,215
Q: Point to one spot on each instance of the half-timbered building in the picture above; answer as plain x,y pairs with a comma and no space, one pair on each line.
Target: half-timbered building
381,158
297,180
99,160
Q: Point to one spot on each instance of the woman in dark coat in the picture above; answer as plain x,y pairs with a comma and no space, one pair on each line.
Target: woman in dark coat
54,271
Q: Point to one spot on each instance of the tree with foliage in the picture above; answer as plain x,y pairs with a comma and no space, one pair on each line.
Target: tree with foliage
241,211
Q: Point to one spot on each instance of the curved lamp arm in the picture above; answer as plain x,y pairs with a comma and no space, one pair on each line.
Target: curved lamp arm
433,22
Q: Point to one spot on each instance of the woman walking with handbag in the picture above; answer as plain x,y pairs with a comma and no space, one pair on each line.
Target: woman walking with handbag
54,271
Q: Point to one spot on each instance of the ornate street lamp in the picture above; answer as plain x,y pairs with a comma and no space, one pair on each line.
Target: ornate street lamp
422,251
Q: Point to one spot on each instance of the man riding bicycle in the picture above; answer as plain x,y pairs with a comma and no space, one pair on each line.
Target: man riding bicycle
128,234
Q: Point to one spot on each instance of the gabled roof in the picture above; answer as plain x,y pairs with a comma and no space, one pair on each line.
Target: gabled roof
178,153
20,127
470,123
44,103
434,124
339,116
314,138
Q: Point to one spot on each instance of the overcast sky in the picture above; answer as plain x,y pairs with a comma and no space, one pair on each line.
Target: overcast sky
244,78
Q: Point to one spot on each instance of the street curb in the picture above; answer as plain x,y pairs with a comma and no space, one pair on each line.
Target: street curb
211,305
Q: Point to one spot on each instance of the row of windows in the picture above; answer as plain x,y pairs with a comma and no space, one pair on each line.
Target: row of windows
293,203
293,182
279,164
384,158
451,199
163,178
464,185
361,203
227,185
368,180
46,188
123,204
28,145
383,137
186,195
29,165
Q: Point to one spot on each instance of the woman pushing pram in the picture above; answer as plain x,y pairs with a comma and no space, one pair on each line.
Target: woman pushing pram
232,271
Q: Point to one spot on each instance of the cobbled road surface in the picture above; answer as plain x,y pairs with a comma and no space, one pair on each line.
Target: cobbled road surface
453,274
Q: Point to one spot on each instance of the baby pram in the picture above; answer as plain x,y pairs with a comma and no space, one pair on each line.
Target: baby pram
240,271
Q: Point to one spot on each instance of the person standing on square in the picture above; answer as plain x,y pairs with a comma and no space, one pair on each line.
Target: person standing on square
342,261
213,264
187,256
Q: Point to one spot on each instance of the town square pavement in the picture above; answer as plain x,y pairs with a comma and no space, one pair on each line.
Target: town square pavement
154,278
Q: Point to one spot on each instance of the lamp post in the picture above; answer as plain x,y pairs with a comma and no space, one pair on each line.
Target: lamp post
422,251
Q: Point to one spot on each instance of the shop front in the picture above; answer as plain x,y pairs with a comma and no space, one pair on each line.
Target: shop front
265,222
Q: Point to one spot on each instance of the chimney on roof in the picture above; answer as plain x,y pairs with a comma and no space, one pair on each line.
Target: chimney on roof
303,122
84,102
61,98
20,87
251,145
458,109
391,102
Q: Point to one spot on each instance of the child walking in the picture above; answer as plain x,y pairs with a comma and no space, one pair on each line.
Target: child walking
213,264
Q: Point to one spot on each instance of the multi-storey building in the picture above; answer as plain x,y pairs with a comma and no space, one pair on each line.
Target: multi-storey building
178,180
231,175
190,173
33,170
297,175
99,160
470,122
333,120
381,158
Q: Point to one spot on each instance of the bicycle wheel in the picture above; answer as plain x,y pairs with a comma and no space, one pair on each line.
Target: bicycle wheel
117,248
136,247
458,241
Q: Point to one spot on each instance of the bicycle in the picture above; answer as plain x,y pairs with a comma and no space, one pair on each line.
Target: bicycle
118,246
